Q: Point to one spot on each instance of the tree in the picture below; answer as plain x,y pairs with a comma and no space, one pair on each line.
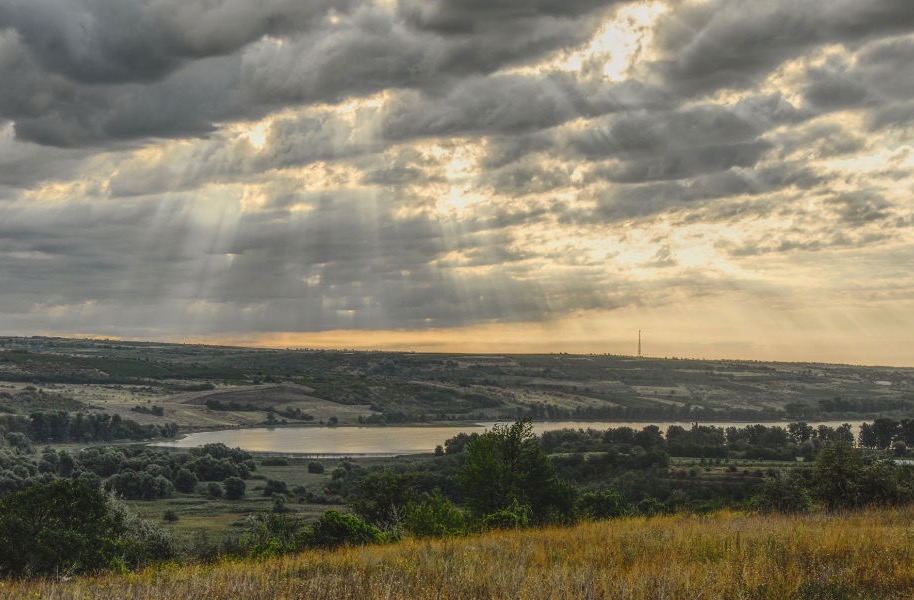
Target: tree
504,467
185,481
234,488
381,498
838,471
57,528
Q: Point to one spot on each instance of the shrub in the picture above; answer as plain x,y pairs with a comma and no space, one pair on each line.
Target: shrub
315,467
515,516
234,488
784,494
214,489
339,529
274,486
601,505
434,516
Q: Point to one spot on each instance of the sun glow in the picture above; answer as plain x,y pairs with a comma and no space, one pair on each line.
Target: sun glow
618,45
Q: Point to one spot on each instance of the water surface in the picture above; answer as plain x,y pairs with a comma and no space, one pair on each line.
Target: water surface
389,440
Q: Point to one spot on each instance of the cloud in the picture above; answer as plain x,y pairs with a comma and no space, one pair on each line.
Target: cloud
116,41
725,44
82,78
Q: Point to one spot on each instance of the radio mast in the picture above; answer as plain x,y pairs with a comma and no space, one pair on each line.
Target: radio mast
639,343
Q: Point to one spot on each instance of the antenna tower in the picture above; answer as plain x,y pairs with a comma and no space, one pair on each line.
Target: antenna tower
639,343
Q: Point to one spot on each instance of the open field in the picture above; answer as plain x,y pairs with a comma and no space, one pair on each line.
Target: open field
867,554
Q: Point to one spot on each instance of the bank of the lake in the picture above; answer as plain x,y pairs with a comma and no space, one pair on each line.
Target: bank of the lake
392,440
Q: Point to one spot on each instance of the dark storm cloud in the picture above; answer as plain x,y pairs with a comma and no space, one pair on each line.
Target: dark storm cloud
829,90
686,163
468,16
646,133
170,77
727,43
690,199
105,41
510,105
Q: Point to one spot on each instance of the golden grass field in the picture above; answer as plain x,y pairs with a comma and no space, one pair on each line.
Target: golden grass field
867,554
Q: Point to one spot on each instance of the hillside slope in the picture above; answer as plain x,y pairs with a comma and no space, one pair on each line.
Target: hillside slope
868,554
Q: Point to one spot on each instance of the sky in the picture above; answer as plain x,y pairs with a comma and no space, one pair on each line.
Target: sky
732,178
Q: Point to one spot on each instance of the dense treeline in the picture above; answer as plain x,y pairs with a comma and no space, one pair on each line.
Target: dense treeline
59,426
133,473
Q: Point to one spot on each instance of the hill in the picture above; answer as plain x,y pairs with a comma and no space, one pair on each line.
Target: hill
865,554
197,386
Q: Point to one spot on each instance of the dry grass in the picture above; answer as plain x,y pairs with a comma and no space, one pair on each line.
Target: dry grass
725,555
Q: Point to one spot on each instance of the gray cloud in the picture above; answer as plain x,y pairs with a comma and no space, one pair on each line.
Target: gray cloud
727,44
151,85
510,105
638,134
106,41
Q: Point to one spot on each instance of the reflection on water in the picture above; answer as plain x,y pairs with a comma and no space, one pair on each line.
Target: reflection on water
387,441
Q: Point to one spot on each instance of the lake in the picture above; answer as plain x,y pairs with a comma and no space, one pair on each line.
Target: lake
324,442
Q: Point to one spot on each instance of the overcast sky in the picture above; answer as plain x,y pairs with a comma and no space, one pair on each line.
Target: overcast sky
734,178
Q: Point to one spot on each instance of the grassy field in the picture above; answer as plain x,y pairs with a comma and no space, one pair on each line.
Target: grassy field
867,554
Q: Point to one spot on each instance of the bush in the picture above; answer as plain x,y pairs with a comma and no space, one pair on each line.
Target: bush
434,516
315,467
515,516
274,486
335,529
234,488
214,490
784,494
601,505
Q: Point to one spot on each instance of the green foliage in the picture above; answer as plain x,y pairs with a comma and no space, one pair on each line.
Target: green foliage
505,467
601,505
133,485
275,486
234,488
315,467
382,498
434,516
514,516
271,534
784,495
650,507
214,489
185,481
335,529
58,528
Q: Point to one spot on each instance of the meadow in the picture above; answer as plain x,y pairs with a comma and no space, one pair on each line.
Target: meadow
726,554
